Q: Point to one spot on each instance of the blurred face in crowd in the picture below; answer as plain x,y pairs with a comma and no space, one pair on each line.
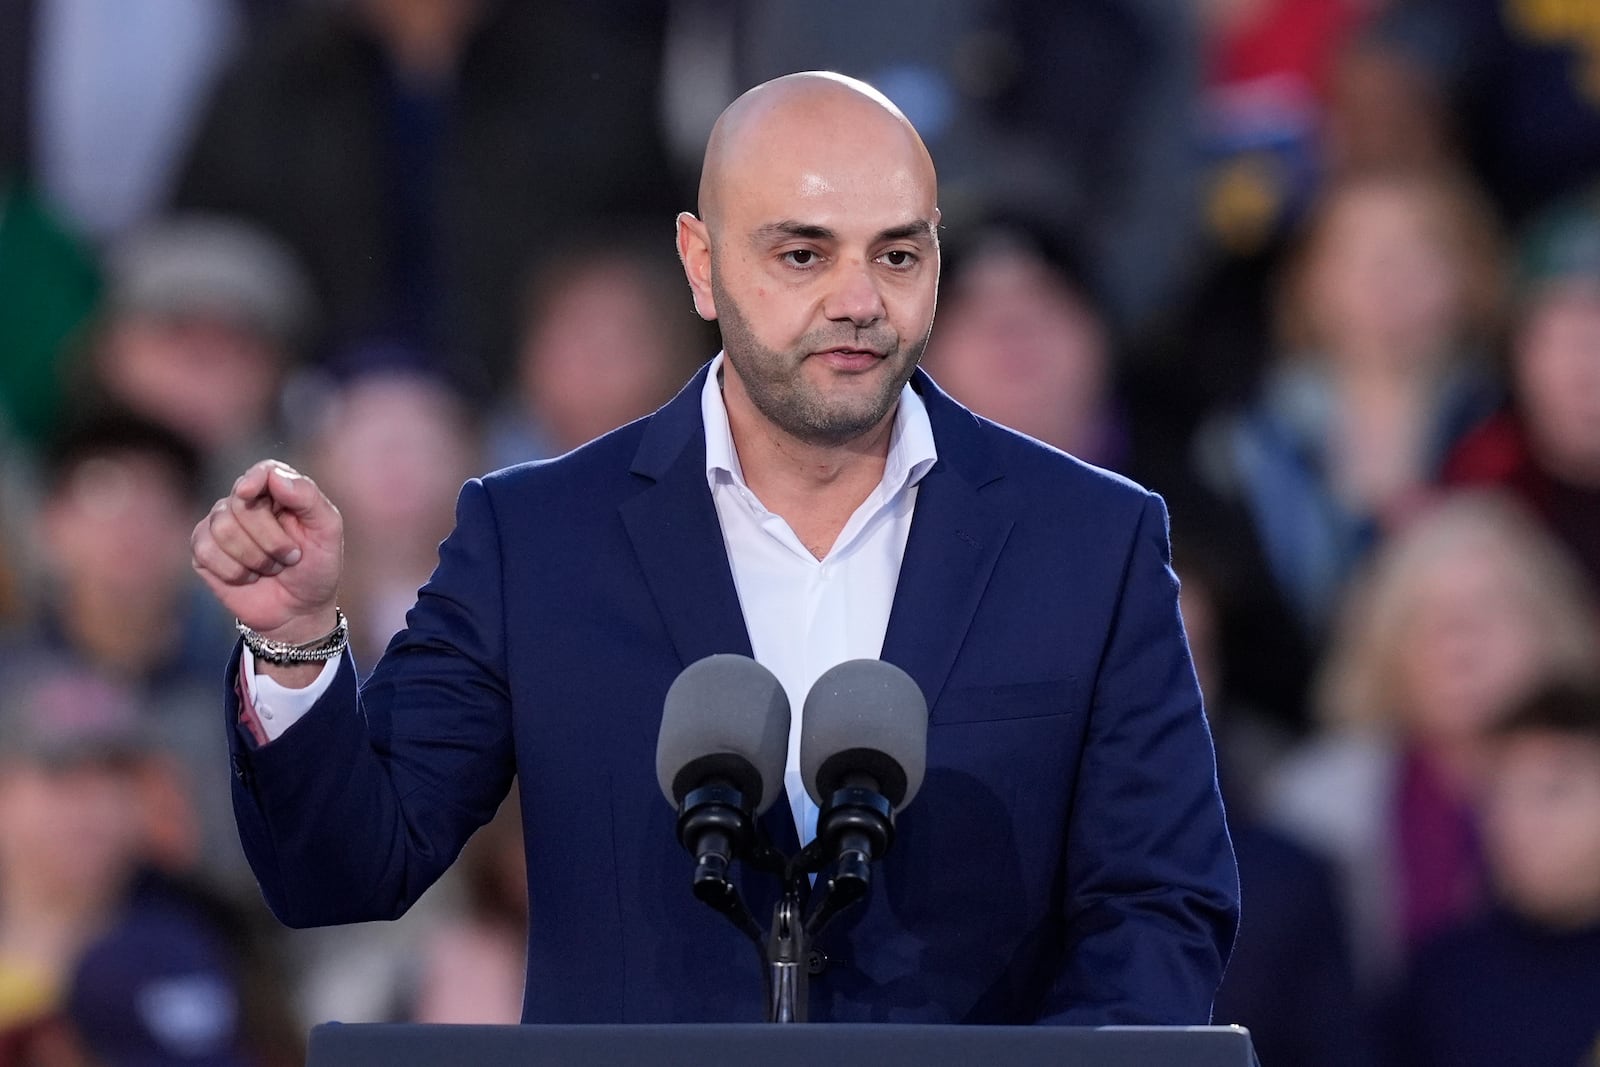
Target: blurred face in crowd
1383,280
1542,826
1018,344
818,256
1471,643
69,829
208,378
1558,379
394,451
116,529
598,354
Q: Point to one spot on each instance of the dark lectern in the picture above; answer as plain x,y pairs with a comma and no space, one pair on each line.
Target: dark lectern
797,1045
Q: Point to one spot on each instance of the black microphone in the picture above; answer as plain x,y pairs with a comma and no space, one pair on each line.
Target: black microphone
720,761
863,753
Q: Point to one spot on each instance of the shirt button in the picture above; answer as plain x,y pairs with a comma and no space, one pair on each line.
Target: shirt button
264,710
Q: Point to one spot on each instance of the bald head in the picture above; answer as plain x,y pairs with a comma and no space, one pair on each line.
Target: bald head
817,252
793,116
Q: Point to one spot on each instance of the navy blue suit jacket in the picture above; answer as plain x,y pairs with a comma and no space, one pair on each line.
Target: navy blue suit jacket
1066,859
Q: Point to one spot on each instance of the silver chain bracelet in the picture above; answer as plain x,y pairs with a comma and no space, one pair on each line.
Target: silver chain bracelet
283,654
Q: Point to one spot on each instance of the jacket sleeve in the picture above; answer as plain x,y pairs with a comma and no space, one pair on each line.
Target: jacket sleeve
1152,889
363,803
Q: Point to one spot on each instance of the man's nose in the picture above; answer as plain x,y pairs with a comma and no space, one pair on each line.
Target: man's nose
855,296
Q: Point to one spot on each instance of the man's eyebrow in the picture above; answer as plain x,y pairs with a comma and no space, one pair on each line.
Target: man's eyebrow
921,230
789,229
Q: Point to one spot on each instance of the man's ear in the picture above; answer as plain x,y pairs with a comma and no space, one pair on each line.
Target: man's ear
694,252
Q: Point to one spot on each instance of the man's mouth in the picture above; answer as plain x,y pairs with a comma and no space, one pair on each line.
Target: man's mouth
850,352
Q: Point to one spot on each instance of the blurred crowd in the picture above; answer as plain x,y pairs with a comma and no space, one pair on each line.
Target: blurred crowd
1324,273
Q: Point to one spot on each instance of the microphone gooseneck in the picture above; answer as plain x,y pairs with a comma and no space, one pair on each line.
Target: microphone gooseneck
863,755
720,761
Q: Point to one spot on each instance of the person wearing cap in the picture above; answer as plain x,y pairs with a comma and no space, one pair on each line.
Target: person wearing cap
93,945
202,318
69,831
156,990
1545,444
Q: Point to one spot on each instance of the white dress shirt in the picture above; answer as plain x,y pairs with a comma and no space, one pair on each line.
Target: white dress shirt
803,614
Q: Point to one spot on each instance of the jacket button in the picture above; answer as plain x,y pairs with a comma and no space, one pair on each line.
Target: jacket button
816,961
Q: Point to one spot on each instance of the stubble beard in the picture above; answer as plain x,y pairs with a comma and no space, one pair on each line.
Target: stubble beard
773,380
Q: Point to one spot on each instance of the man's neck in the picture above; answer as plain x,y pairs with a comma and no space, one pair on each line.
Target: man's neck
815,488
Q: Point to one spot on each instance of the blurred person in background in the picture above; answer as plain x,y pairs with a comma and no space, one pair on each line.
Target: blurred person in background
604,339
1523,78
1022,341
1469,607
458,956
75,761
1385,317
203,318
1269,75
1521,984
1290,980
1298,94
116,488
1385,109
1545,445
471,966
396,444
414,153
398,441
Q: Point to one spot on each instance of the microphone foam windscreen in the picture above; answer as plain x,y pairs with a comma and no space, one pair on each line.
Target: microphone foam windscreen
725,716
864,716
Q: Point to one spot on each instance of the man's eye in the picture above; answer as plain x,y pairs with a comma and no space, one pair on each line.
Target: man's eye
899,257
800,257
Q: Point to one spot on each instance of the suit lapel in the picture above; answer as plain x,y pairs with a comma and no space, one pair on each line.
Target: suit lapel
675,534
956,536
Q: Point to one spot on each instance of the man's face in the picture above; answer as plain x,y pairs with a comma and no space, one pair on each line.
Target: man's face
824,264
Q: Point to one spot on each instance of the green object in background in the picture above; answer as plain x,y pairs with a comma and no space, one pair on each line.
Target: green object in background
48,287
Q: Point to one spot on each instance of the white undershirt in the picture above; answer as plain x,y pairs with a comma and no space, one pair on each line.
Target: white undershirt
803,614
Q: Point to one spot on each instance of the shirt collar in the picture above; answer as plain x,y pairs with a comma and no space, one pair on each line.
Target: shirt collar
911,447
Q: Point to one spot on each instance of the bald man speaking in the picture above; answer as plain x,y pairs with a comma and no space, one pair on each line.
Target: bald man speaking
810,497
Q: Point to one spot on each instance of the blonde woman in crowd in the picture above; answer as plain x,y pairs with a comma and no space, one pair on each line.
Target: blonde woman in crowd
1470,607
